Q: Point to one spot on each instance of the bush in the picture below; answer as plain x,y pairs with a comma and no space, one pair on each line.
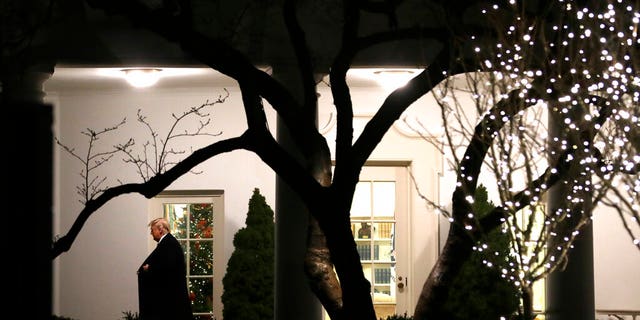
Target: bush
128,315
248,283
480,292
398,317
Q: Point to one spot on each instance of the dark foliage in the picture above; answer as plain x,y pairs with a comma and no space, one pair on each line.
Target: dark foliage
398,317
127,315
249,281
130,315
480,292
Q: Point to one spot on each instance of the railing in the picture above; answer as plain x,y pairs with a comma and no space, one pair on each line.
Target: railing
619,314
610,314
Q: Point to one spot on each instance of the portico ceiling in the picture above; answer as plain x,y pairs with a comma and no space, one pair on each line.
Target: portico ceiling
83,36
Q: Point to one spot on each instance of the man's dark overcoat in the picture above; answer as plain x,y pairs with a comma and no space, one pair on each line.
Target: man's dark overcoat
162,288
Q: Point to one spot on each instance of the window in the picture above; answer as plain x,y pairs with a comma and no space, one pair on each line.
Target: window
378,218
196,220
373,226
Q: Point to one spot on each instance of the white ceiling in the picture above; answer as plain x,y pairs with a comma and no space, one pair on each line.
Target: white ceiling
69,78
97,78
73,79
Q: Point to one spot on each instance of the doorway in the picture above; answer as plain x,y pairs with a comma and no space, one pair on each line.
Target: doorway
379,220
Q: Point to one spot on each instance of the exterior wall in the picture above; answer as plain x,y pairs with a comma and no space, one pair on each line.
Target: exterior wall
616,264
96,279
400,144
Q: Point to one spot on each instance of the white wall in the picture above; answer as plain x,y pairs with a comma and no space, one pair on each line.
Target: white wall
96,278
403,145
616,263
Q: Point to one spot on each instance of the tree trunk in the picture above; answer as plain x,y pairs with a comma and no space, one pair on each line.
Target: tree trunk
356,289
435,290
527,303
319,270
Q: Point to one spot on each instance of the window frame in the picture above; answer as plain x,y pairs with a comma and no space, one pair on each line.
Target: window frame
216,198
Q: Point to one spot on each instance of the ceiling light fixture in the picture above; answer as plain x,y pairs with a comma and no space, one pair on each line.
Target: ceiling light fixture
392,79
142,77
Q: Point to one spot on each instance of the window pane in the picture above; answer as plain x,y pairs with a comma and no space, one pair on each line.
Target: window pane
366,268
382,275
384,284
201,221
362,229
383,230
361,206
183,244
364,250
201,254
384,251
384,199
176,215
201,293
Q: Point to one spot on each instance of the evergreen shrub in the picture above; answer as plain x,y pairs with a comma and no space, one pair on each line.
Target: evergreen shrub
248,283
480,292
398,317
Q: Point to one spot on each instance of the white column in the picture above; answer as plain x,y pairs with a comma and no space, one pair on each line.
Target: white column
293,297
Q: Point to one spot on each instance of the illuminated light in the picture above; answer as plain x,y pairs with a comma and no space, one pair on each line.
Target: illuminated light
142,77
127,73
393,78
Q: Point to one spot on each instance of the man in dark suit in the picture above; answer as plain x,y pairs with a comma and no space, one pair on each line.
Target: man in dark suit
162,282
